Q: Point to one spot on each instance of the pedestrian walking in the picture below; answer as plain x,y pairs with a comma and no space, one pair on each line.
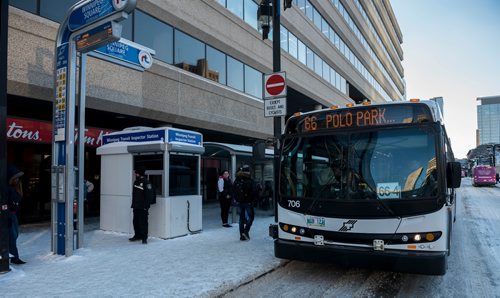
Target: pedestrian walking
142,196
245,193
225,188
14,197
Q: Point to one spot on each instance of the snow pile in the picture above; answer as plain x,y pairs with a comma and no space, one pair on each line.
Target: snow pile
204,264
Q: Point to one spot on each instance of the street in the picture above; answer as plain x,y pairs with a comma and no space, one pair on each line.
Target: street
473,267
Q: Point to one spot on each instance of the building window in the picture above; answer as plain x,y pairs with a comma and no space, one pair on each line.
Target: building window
284,38
310,58
189,53
253,82
183,175
234,73
292,45
318,65
29,6
55,10
326,71
302,52
216,64
236,7
127,27
250,12
154,34
309,10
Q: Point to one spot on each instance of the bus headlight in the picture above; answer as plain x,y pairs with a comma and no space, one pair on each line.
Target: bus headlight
417,237
404,238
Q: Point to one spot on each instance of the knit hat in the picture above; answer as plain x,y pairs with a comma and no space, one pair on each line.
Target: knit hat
140,169
245,168
13,173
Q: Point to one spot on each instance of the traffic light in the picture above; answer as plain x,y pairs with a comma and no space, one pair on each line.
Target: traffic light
287,4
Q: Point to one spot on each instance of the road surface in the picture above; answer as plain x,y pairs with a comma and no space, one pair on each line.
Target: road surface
473,267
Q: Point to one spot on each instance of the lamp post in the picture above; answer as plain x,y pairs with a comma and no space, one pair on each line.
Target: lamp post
4,233
270,13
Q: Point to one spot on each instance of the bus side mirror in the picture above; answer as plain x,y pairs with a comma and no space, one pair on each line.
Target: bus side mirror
453,174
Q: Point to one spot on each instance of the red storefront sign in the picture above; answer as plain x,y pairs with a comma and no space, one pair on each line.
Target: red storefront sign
41,132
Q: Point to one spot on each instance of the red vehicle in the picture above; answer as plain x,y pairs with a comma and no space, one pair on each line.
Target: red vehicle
483,175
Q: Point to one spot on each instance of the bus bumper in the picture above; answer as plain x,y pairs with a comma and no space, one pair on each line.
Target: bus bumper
431,263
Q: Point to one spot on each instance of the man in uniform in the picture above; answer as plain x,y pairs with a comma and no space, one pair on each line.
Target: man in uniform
141,199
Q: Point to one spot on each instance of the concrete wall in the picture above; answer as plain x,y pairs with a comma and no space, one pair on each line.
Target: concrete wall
169,94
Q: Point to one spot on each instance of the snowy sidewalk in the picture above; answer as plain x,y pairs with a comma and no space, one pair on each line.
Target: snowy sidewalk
199,265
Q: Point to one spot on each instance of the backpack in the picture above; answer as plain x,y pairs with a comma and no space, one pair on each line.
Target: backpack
243,190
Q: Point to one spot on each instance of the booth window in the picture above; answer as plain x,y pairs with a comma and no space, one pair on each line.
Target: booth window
154,170
183,175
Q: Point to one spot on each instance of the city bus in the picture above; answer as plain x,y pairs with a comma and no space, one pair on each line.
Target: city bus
484,175
370,185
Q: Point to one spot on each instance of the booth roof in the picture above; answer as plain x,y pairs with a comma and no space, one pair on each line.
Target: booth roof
217,149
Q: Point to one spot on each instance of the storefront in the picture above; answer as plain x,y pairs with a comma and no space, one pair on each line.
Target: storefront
29,147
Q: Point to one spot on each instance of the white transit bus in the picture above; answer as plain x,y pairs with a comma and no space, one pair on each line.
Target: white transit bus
370,185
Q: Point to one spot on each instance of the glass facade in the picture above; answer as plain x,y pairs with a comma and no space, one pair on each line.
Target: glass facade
173,46
161,41
54,10
29,6
488,121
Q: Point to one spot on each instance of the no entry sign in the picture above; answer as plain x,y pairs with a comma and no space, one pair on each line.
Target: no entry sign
274,85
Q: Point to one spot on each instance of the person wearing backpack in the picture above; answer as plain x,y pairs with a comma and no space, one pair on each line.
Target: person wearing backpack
245,194
225,188
142,198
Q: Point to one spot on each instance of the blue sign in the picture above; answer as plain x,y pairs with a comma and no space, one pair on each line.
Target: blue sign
94,10
140,136
126,53
61,91
183,136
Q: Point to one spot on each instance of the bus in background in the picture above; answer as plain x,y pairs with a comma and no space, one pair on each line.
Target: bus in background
484,175
367,185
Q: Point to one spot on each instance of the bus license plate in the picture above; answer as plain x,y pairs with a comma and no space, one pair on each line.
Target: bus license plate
316,221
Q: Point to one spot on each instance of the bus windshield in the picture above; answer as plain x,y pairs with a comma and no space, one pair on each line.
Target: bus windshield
383,165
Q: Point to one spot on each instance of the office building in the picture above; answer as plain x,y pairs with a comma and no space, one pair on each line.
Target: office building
488,119
206,76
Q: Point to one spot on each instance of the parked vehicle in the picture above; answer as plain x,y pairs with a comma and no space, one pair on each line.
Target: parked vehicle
484,175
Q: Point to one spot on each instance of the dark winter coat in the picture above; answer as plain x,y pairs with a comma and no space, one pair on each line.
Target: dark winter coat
142,193
13,195
245,190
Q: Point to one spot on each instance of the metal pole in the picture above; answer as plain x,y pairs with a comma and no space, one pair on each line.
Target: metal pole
277,120
81,148
4,232
69,187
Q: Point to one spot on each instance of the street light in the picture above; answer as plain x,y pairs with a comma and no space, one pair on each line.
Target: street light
265,11
264,15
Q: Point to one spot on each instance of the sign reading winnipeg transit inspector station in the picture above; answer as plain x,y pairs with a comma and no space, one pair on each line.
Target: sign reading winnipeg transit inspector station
275,90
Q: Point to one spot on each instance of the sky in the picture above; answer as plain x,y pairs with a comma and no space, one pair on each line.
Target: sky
452,49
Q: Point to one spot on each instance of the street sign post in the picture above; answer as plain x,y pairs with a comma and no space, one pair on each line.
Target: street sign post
275,107
275,90
89,24
91,11
126,53
275,85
